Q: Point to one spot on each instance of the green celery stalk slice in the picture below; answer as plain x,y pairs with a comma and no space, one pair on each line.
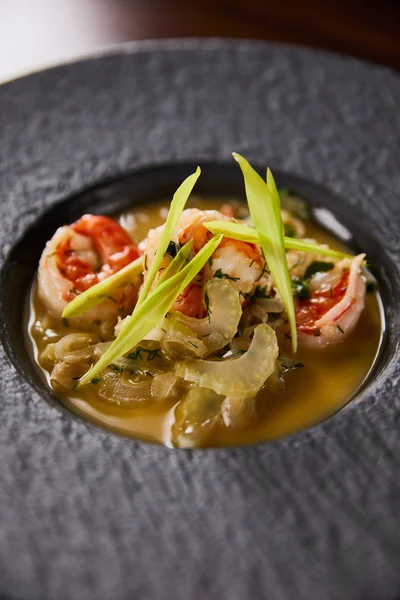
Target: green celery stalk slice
177,205
96,294
174,266
177,263
99,292
152,310
244,233
264,205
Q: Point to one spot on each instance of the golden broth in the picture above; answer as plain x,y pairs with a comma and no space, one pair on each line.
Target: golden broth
329,378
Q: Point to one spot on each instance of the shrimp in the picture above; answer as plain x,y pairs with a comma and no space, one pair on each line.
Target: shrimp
239,262
336,302
80,255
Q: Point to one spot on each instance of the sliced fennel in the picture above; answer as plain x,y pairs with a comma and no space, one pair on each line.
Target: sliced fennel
244,233
218,328
265,210
177,205
241,377
195,416
99,292
178,340
152,310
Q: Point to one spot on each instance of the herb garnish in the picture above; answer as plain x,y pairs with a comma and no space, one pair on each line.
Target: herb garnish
289,231
220,275
318,266
95,380
172,249
137,354
300,288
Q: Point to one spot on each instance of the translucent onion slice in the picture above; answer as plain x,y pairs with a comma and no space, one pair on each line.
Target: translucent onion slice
195,416
224,312
179,341
241,377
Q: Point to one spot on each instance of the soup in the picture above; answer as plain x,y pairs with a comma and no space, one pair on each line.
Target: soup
154,391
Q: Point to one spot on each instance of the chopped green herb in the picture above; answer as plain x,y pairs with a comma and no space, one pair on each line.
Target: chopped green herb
289,365
318,266
172,249
261,292
300,288
116,368
137,354
95,380
264,270
220,275
289,231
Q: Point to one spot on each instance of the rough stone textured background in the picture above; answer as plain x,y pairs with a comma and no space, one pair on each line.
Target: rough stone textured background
85,514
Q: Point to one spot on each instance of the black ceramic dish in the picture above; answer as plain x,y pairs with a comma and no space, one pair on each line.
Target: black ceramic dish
86,514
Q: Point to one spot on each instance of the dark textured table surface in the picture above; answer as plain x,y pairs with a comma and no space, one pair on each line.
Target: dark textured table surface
85,514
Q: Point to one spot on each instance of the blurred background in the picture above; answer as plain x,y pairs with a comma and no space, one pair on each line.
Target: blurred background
39,33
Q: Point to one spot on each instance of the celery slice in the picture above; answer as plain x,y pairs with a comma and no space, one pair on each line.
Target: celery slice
244,233
264,204
177,263
99,292
241,377
151,311
177,205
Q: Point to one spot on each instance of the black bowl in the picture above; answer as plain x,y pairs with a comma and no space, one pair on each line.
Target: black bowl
85,513
155,183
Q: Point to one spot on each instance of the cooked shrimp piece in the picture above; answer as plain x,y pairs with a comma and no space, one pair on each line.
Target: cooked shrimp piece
239,262
80,255
336,302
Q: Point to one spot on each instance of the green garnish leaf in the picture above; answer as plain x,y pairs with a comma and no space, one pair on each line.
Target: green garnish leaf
220,275
245,233
172,249
97,293
289,231
317,266
265,209
177,205
152,310
177,263
300,288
